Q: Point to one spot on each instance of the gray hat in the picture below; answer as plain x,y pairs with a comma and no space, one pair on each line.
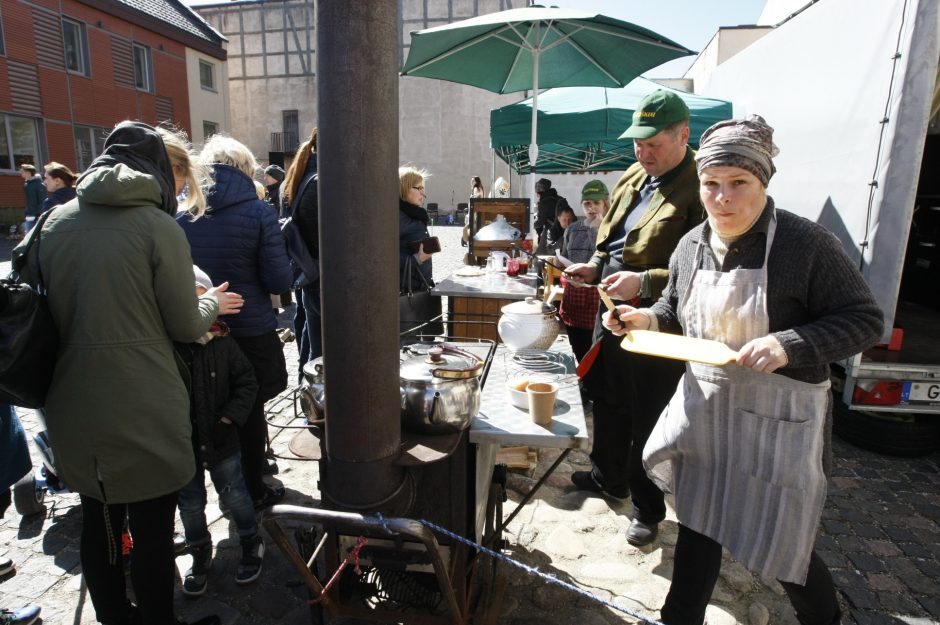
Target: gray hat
275,172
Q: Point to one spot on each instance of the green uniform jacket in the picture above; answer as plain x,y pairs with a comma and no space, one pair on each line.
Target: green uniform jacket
120,284
674,209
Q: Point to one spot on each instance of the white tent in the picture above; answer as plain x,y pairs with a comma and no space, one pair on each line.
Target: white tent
848,86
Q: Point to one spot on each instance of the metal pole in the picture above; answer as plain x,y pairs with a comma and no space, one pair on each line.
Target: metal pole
357,91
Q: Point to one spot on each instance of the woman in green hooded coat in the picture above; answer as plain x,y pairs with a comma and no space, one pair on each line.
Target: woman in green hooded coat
119,278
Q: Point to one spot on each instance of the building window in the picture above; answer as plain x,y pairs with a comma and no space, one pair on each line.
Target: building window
19,142
76,47
89,143
143,68
207,75
209,129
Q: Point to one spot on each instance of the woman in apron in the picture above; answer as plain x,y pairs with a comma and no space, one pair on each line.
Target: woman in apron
747,442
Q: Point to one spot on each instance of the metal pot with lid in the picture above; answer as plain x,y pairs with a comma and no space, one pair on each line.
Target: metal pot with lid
530,324
440,389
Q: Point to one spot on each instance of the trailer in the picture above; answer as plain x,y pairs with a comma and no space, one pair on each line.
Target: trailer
850,87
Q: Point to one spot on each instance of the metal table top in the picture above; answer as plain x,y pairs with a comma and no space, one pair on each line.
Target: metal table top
489,285
501,423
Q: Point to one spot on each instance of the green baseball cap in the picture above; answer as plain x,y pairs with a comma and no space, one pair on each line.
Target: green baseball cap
594,190
654,113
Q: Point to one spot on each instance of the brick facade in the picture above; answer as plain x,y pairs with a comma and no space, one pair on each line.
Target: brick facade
59,99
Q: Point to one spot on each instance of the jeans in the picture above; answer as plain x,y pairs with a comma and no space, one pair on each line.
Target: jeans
233,494
697,563
300,332
153,566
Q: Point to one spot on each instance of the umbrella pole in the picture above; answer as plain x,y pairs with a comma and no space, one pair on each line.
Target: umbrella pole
534,146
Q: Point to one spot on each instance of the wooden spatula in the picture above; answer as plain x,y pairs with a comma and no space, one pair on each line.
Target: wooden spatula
678,347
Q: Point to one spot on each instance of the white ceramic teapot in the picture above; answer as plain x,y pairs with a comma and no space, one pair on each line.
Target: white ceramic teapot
531,324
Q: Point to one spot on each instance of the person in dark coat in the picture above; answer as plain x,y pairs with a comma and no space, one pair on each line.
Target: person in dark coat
14,464
60,184
223,390
35,193
300,192
414,262
413,222
273,177
240,242
546,221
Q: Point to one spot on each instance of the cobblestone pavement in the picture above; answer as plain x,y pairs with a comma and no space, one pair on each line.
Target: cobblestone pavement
880,535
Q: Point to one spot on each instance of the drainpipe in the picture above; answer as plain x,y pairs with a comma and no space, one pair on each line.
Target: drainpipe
357,91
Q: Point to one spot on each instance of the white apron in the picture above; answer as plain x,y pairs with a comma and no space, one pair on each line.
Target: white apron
745,446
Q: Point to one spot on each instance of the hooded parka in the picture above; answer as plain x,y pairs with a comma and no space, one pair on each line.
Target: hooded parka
120,284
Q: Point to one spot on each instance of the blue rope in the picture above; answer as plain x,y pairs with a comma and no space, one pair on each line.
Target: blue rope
533,570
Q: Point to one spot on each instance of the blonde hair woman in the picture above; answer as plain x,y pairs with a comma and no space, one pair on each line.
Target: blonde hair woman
189,175
243,245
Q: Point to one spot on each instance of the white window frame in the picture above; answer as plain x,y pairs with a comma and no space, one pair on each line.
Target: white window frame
14,166
205,131
81,46
211,67
90,132
143,76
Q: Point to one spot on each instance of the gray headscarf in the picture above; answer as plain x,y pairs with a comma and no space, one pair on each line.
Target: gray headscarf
745,143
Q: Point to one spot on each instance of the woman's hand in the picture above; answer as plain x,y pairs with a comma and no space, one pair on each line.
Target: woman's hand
422,256
628,318
229,303
763,354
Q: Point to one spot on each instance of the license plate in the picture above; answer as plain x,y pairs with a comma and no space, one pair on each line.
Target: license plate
921,393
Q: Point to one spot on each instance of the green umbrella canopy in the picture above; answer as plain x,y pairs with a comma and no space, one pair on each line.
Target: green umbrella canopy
579,128
496,51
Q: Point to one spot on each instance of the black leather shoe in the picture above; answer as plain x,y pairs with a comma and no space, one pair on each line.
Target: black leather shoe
586,480
640,534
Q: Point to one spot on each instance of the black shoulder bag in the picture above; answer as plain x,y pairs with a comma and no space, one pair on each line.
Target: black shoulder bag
306,267
29,340
419,311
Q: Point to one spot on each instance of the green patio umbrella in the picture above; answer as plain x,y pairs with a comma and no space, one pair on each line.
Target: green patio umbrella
538,48
580,127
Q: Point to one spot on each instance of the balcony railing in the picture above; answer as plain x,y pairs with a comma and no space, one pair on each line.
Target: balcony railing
284,142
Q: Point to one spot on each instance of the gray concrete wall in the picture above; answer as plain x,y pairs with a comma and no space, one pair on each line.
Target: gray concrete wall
444,126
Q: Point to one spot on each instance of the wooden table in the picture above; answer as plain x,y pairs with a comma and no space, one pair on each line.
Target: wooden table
474,303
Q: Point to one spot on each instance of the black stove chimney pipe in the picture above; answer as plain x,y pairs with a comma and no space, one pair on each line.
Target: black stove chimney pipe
357,91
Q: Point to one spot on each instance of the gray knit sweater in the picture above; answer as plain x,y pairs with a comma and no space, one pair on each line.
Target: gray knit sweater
820,308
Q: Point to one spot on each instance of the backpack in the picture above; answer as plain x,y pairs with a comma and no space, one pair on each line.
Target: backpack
306,267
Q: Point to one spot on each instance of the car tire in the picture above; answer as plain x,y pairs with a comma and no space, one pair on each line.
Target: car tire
894,434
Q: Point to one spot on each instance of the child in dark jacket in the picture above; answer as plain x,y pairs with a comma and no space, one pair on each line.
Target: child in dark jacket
222,393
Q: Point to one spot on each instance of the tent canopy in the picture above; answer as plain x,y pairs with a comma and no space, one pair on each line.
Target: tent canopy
579,127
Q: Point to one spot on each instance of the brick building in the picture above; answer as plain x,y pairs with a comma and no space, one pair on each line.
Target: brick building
71,69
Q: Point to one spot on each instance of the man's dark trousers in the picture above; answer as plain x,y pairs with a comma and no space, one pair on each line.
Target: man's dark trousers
634,390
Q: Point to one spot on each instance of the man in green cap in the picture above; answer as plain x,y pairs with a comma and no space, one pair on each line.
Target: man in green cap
653,205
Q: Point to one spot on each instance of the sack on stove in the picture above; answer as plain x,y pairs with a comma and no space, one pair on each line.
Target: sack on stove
416,306
29,340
